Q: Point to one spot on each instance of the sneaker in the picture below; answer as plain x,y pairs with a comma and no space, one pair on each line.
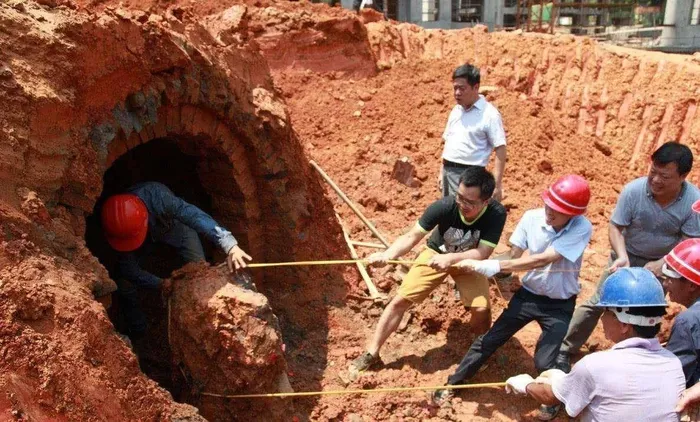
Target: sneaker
364,362
442,397
563,362
547,413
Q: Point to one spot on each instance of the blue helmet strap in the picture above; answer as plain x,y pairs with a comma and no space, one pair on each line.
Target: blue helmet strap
641,320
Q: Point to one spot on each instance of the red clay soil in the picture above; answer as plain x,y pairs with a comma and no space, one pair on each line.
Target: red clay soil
81,90
358,97
228,341
569,106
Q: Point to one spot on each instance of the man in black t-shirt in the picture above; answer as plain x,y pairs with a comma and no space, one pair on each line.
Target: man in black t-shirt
467,226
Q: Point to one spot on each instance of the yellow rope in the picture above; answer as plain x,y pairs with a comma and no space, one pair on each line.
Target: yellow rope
343,392
332,262
364,261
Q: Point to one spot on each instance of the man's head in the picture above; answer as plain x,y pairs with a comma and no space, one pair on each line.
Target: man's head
681,272
465,83
670,164
616,330
634,304
124,222
565,198
476,185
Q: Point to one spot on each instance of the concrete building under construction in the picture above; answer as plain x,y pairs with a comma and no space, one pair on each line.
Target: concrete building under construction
669,25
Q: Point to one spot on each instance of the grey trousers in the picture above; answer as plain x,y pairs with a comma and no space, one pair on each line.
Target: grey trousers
586,316
450,179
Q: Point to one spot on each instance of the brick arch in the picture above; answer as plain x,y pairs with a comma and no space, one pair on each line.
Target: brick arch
186,120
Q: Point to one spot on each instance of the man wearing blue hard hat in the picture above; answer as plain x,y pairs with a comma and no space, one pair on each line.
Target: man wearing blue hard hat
636,380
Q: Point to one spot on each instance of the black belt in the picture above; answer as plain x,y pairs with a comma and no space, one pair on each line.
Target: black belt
540,298
451,164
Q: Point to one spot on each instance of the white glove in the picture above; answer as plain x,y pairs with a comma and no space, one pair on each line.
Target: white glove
518,384
488,268
377,259
550,376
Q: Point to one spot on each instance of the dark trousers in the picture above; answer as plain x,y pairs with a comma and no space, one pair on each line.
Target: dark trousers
189,247
553,316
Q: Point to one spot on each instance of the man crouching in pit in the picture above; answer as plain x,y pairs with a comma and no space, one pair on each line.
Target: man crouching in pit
469,226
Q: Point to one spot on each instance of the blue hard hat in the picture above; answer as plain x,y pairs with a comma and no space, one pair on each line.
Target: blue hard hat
631,287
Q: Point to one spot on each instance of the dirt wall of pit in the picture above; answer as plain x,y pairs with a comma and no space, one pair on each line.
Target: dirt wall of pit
568,104
79,91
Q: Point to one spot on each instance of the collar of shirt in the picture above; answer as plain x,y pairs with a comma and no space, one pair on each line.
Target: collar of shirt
642,343
548,228
478,104
651,195
695,304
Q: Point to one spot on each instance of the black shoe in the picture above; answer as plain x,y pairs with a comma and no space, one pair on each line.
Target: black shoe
563,362
364,362
547,413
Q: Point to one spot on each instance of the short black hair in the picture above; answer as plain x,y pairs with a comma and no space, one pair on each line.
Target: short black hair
477,176
469,72
674,152
648,311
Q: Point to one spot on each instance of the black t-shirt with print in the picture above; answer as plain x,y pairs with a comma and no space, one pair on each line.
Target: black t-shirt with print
453,235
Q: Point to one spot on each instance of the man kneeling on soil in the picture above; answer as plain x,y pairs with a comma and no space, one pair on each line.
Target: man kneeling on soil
469,226
637,380
556,237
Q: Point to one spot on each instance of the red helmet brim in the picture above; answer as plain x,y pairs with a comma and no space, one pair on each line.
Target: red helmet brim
696,206
128,244
551,203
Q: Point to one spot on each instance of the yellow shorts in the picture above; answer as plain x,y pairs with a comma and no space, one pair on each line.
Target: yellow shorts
422,279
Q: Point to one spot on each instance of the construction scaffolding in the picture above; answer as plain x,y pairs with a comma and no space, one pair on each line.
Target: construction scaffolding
581,18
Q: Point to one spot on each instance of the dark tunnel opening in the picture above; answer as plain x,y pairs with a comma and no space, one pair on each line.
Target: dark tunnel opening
199,174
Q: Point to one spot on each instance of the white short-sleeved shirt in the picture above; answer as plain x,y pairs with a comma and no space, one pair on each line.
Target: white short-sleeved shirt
636,380
558,280
471,135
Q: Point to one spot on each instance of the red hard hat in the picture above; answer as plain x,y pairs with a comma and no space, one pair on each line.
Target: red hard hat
684,260
568,195
125,222
696,206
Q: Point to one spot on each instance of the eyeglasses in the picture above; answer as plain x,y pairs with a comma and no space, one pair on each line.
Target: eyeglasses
468,203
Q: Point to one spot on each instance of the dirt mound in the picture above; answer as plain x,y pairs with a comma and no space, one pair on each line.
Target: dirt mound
291,35
94,91
229,342
83,91
61,359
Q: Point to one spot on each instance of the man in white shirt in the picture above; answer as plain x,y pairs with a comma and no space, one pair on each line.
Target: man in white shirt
474,129
637,380
555,237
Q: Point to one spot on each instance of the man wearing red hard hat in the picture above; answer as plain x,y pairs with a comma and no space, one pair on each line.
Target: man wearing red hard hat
555,237
681,277
682,281
149,213
653,214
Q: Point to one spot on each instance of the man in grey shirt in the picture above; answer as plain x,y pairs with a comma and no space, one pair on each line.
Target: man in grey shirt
653,214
